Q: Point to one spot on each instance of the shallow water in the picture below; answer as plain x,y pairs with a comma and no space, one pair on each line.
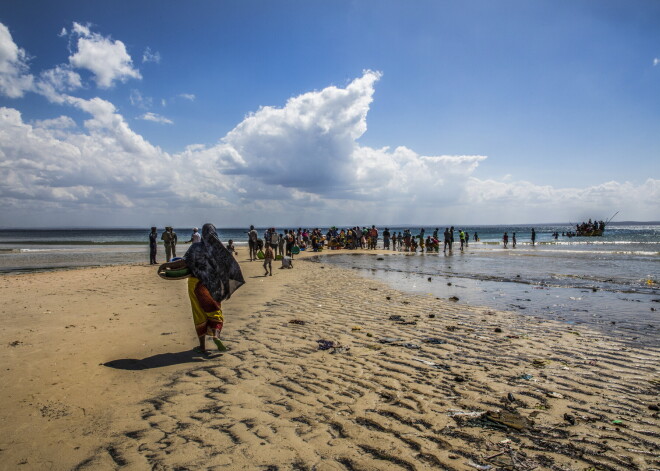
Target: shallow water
617,292
45,258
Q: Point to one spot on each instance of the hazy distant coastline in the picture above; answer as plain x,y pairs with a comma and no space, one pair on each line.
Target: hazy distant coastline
412,225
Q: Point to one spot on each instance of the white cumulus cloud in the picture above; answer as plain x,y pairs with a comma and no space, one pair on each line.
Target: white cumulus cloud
61,122
137,99
108,60
521,201
310,146
58,80
156,118
14,77
309,143
148,56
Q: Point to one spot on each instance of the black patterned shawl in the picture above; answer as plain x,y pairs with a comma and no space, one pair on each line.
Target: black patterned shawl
211,262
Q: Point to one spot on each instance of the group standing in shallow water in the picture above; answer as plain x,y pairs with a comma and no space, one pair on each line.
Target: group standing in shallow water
514,239
290,242
285,245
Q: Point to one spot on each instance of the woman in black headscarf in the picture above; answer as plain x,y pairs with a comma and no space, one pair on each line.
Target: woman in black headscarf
215,276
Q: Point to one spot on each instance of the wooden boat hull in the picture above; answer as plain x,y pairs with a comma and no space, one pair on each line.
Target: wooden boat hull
596,233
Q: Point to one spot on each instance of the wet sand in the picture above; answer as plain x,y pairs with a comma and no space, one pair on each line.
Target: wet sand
98,373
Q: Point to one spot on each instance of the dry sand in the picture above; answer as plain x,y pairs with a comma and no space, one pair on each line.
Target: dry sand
98,373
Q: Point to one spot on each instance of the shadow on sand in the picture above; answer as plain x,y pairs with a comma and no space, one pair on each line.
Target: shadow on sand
160,360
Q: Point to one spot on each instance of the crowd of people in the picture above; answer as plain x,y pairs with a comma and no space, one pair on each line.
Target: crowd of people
273,245
290,241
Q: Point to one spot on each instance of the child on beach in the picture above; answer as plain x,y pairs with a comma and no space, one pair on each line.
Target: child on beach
269,256
230,247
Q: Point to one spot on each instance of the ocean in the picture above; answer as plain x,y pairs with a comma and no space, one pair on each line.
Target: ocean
611,282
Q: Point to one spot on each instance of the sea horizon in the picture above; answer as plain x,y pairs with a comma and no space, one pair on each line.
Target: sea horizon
310,226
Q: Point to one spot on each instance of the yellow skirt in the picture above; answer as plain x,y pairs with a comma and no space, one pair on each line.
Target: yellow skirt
206,311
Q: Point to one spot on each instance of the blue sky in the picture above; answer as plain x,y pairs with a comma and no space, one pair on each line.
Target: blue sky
310,112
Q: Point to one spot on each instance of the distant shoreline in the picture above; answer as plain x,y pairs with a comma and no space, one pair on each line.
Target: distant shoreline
234,228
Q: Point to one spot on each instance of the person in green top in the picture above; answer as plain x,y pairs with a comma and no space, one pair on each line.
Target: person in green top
169,239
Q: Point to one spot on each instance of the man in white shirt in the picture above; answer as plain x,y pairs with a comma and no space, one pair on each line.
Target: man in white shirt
195,237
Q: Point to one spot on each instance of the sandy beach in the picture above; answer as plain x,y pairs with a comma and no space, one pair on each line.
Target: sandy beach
99,373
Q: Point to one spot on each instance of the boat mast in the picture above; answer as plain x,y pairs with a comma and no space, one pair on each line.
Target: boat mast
608,221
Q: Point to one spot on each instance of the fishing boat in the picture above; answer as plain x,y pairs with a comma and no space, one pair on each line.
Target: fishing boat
592,229
590,233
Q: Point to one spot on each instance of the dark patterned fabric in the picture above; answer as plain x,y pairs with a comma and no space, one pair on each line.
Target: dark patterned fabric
211,262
